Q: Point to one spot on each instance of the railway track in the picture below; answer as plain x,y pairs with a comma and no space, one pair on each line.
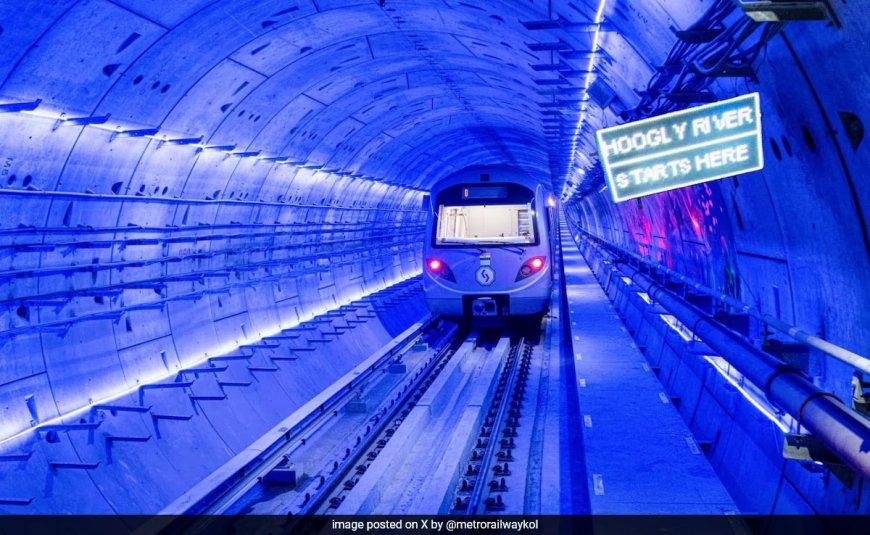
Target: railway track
480,456
252,481
488,464
333,484
488,457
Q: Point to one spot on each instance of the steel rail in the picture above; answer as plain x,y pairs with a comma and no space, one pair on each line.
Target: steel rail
219,499
474,501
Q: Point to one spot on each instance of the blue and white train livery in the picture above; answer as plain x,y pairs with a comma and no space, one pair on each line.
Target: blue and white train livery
489,245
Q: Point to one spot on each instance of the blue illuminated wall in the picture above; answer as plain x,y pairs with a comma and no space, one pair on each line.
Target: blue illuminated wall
179,179
793,238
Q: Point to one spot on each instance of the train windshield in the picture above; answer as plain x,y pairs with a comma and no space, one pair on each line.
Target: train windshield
494,224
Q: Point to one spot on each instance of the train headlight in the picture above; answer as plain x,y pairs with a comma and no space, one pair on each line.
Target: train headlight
439,268
531,266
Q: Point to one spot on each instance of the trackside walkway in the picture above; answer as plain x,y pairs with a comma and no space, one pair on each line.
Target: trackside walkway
640,455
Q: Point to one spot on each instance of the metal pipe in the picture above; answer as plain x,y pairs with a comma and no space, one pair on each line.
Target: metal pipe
845,433
851,358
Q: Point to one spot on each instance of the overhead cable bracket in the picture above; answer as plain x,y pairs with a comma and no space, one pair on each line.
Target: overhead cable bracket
142,132
184,140
12,107
560,23
704,35
553,45
82,121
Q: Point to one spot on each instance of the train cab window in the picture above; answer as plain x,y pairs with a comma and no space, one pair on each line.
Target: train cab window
502,223
495,215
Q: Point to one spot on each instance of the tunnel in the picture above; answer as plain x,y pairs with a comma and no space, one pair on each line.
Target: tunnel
212,228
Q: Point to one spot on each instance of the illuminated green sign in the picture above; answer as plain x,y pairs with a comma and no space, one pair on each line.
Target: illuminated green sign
682,148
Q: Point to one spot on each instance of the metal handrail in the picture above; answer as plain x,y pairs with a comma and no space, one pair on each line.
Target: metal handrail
841,429
842,354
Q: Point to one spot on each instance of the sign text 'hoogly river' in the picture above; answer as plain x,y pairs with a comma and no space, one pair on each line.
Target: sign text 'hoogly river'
682,148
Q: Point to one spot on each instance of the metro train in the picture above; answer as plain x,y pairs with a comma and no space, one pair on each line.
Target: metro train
490,239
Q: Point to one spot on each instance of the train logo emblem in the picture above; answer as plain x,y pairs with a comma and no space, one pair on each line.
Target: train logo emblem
485,275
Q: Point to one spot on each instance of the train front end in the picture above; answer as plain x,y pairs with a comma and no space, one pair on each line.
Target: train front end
488,254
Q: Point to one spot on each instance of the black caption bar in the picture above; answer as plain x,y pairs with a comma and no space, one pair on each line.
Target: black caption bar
431,524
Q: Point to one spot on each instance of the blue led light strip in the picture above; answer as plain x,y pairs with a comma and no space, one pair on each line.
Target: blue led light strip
596,44
137,131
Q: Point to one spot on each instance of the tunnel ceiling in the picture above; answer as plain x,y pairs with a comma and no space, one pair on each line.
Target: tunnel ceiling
398,91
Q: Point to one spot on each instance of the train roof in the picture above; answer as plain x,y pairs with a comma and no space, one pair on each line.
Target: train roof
482,174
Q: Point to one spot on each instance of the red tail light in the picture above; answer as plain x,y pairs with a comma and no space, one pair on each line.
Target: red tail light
531,266
438,268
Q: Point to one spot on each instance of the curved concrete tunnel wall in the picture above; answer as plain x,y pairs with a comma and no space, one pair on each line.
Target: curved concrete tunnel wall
791,239
364,108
